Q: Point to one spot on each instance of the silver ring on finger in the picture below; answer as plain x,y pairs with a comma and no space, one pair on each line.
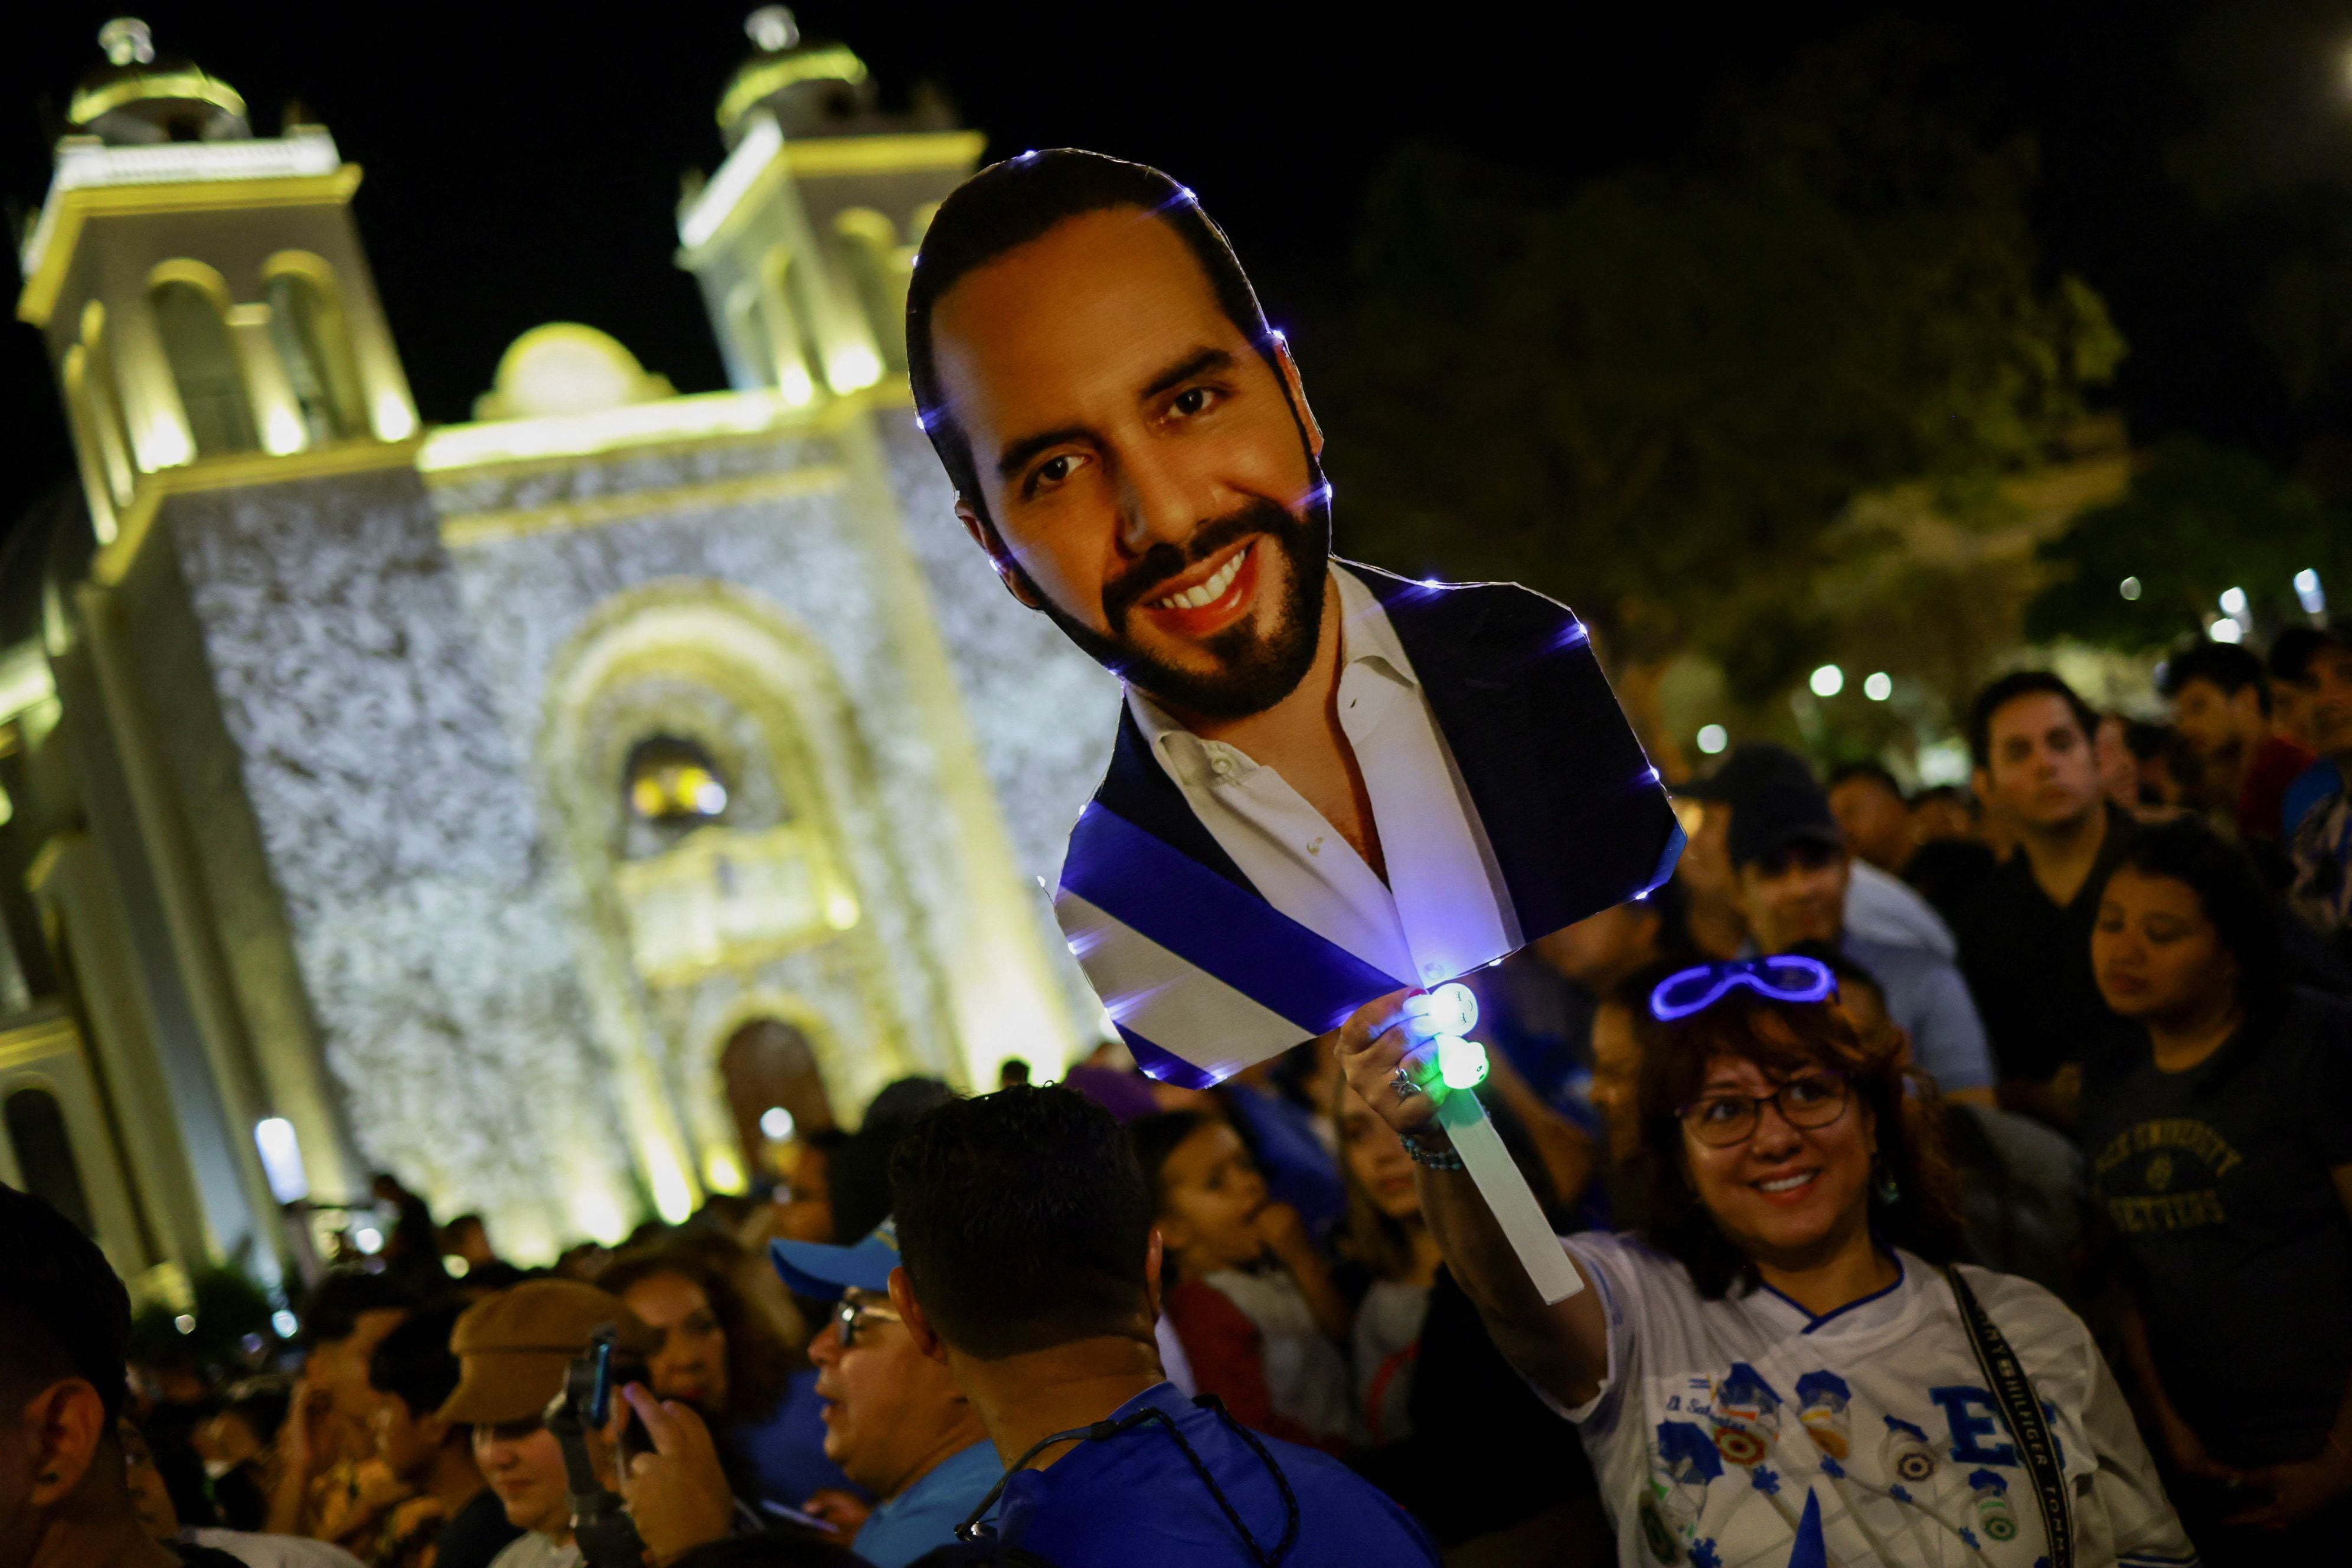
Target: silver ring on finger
1401,1081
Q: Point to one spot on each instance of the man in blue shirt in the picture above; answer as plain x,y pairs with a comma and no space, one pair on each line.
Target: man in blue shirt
1030,1268
895,1421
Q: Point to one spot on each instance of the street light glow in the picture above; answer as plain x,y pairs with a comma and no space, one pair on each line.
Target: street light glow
2226,630
281,1159
2129,588
1828,680
2234,603
1713,738
1878,686
2309,594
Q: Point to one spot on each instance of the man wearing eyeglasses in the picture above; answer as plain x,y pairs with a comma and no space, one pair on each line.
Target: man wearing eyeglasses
896,1422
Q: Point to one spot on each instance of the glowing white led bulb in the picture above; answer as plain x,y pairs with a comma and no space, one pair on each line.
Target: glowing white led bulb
1461,1063
1451,1009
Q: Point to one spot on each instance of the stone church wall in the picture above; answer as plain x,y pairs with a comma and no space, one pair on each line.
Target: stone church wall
1043,712
406,842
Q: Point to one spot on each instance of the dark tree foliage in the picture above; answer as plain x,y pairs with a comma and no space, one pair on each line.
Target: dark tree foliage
2199,519
1655,393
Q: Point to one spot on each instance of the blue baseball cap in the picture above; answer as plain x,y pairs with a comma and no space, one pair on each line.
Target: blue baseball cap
822,1270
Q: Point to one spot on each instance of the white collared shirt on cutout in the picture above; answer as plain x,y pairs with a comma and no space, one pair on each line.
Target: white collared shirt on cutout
1445,910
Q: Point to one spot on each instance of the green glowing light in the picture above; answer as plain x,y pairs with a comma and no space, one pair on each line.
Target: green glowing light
1460,1064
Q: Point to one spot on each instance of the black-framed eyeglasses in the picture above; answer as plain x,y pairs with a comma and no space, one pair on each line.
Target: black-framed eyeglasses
1809,1103
852,1314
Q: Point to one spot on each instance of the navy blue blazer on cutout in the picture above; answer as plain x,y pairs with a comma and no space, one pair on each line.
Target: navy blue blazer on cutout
1578,818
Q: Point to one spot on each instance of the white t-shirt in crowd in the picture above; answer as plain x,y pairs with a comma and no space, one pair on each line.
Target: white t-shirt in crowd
1306,1376
1717,1420
260,1551
532,1549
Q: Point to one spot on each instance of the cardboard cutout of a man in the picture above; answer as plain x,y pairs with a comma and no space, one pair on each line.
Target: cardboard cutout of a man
1330,783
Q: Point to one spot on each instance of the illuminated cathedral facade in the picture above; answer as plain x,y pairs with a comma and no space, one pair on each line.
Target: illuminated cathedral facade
532,806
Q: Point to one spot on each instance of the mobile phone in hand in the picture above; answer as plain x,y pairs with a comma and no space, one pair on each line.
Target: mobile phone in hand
635,1438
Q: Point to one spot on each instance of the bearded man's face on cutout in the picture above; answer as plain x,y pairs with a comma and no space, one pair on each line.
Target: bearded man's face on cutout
1424,774
1150,478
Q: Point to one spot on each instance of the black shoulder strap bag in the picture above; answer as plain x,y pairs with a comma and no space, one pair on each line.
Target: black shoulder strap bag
2035,1445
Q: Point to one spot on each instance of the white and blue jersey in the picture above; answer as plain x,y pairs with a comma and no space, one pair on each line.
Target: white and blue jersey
1722,1422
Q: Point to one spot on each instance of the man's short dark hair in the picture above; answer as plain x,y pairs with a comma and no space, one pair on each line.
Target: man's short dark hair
1023,1222
332,1311
2008,689
1006,205
2291,651
858,1176
414,1365
2226,666
1863,768
63,1312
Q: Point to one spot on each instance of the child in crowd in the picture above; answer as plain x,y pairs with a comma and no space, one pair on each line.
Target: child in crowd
1426,1375
1387,1237
1251,1300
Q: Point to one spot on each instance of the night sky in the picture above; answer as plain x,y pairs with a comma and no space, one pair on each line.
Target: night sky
523,160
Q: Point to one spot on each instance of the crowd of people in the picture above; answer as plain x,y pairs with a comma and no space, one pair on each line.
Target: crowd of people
1881,1093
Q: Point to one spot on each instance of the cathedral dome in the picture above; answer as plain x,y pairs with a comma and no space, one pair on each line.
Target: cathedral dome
139,96
813,88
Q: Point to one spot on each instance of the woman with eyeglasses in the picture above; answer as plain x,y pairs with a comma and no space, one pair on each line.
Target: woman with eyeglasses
2219,1132
1779,1368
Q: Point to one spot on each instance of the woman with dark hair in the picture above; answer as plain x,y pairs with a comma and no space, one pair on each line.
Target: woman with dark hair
2219,1127
724,1354
1780,1367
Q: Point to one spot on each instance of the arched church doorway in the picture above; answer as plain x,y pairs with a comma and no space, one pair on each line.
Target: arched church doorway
767,1065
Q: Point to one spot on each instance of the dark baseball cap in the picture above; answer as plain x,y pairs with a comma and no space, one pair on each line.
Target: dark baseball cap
1781,812
1749,768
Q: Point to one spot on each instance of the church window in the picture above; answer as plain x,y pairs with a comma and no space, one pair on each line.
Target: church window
674,782
871,259
102,396
205,367
82,414
784,304
306,328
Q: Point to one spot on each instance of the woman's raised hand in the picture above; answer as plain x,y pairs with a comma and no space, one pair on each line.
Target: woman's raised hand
1370,1048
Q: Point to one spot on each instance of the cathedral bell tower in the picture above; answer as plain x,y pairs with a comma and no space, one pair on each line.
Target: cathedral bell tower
202,289
804,239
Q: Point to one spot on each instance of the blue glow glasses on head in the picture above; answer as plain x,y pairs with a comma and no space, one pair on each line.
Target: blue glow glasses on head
1782,977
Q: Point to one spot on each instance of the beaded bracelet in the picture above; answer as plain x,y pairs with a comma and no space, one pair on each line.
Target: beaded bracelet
1427,1151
